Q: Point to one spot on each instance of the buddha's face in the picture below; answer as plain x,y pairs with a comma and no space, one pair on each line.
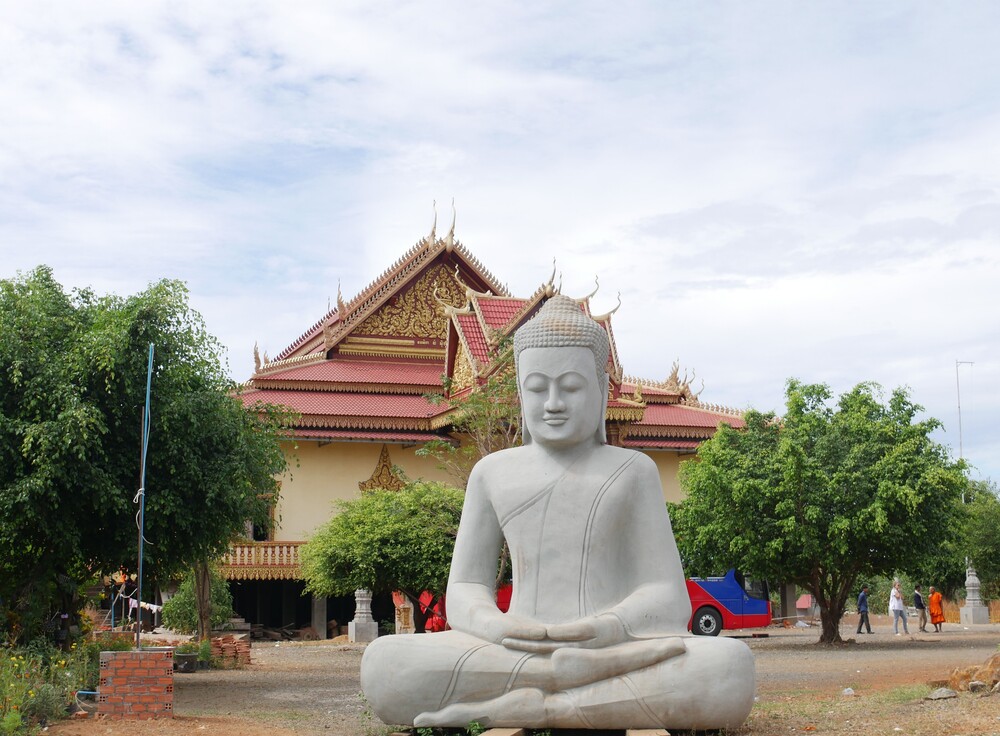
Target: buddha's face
561,397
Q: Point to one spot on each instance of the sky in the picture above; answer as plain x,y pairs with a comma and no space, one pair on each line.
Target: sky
777,189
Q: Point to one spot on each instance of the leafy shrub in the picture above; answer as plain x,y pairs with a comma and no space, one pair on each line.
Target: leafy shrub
181,614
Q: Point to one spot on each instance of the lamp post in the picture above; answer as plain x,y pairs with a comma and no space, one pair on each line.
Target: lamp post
973,612
958,392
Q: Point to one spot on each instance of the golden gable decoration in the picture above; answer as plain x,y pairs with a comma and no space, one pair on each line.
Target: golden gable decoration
416,312
383,477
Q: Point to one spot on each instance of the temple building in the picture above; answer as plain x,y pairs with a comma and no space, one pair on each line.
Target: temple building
359,379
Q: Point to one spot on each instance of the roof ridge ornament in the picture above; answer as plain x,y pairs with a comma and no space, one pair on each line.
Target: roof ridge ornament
449,240
605,317
433,234
341,307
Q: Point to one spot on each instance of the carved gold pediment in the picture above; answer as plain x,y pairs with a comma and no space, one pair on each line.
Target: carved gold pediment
415,312
464,374
383,475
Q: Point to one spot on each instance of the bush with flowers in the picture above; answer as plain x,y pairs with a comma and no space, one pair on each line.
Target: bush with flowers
38,682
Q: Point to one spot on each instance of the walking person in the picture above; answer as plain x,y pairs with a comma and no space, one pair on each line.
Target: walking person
936,609
863,609
898,608
918,603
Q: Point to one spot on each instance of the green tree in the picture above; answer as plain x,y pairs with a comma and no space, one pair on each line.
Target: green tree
72,389
982,535
823,497
387,541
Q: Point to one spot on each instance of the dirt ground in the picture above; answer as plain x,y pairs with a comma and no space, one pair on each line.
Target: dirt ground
296,689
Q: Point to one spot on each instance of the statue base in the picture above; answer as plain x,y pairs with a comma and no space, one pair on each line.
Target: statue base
974,615
361,631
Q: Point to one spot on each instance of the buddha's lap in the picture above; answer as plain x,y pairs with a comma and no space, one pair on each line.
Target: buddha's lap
425,667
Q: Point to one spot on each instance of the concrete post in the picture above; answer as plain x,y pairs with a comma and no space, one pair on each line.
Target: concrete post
788,599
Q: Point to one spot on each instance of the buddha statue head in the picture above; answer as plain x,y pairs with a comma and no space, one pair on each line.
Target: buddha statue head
561,358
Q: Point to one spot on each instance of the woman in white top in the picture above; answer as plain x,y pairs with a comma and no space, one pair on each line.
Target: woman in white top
897,608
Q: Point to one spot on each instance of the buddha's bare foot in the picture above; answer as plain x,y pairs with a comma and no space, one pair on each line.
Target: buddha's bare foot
527,704
573,666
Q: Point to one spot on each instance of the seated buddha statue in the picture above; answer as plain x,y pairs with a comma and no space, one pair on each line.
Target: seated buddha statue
596,632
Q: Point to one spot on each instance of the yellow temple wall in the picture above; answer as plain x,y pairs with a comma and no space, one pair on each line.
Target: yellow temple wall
669,463
318,476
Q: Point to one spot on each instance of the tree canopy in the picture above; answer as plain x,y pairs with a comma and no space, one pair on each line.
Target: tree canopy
387,541
822,497
72,390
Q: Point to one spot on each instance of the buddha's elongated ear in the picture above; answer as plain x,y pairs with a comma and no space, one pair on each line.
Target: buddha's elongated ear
525,434
602,428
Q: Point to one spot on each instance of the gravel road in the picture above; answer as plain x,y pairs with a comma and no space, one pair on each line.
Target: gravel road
312,688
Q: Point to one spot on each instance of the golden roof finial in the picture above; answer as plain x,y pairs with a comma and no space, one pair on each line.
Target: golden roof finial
449,241
256,358
341,307
433,235
597,286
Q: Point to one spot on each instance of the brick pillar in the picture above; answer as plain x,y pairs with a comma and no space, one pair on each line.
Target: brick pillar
136,685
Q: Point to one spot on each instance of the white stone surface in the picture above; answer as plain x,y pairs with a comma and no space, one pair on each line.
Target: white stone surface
596,632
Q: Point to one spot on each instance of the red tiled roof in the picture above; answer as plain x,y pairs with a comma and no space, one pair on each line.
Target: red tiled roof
653,443
416,373
364,435
498,312
676,415
332,403
474,337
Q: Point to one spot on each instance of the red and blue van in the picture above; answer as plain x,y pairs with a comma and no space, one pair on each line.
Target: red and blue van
727,602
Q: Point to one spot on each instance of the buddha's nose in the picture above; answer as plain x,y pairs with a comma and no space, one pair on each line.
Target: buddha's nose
554,402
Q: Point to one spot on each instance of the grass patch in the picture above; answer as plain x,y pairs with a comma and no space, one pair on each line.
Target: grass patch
900,695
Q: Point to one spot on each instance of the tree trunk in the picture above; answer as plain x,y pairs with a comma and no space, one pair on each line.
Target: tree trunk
203,599
831,610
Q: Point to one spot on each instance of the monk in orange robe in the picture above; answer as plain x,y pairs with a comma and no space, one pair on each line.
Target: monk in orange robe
936,611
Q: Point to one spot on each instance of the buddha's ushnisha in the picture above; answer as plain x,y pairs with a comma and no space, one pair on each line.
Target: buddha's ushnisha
595,636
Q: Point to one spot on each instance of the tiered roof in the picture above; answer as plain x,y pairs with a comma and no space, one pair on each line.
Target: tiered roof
362,372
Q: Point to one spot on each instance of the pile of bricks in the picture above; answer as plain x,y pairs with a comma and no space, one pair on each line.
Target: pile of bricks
136,685
230,648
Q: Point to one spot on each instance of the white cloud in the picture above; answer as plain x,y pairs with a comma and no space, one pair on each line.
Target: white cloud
777,189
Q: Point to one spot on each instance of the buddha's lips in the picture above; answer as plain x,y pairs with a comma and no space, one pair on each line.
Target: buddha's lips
555,421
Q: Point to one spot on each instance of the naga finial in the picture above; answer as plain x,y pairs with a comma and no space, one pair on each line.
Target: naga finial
605,317
433,234
341,307
256,358
449,241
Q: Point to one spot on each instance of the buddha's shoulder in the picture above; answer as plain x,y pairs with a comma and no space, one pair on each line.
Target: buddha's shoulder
633,458
498,462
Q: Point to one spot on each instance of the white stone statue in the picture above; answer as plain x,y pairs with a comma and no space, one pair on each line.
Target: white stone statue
596,632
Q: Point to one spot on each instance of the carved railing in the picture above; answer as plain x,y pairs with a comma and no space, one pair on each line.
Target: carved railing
262,561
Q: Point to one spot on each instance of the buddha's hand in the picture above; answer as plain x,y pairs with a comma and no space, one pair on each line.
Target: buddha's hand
504,627
590,632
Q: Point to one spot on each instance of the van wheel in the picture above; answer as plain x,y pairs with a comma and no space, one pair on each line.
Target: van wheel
707,622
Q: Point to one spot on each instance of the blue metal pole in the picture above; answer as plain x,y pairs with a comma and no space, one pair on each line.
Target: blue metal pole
142,496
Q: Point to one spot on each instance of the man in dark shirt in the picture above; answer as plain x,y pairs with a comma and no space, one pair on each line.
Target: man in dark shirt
918,603
863,609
